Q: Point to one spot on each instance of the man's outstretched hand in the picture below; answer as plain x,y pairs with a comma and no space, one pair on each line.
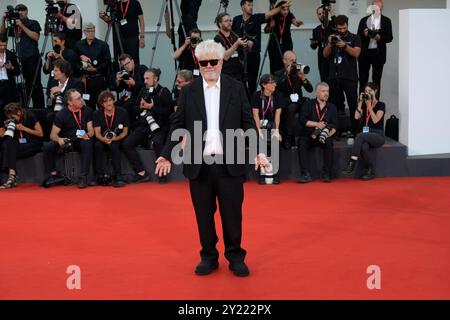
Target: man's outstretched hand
163,167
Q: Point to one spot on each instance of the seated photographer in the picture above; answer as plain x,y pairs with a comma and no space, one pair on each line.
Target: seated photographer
151,120
72,131
370,113
129,82
267,105
9,70
95,65
184,77
291,80
111,127
63,81
186,53
22,134
318,119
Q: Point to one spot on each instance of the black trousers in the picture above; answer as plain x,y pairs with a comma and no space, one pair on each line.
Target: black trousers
306,144
363,143
94,85
83,146
29,66
137,136
324,69
289,122
365,62
100,150
12,150
253,60
130,44
337,89
214,184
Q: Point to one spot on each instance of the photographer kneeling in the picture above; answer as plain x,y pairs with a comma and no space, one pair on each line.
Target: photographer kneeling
72,131
22,135
151,120
318,119
370,113
111,127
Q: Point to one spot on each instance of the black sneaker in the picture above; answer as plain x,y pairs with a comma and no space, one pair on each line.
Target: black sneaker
206,267
118,183
305,178
276,179
350,167
83,182
262,180
326,178
239,269
162,180
138,178
368,175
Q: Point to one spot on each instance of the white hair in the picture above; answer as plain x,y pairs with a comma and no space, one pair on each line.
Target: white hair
321,84
209,46
88,25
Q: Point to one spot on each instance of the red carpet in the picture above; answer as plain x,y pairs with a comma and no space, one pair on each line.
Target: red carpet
310,241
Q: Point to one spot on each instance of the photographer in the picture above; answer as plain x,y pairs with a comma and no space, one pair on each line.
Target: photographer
343,50
130,18
184,77
111,127
233,64
9,70
154,106
375,32
69,22
72,131
129,82
95,64
27,33
186,53
62,82
189,16
266,106
292,79
59,52
370,113
318,120
281,26
320,36
248,27
22,134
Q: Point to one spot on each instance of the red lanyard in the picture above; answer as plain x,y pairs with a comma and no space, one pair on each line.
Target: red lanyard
76,119
21,134
85,84
267,105
194,57
367,117
282,27
227,39
290,84
318,113
109,125
124,13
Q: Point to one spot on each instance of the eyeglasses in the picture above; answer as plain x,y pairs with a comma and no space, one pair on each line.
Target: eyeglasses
212,62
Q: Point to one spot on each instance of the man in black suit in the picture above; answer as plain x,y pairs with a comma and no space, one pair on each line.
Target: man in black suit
215,103
375,32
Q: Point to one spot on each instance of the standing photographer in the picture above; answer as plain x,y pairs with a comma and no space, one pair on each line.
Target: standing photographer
186,53
318,120
22,139
343,50
69,22
9,70
370,113
151,119
375,32
291,80
27,33
72,131
111,127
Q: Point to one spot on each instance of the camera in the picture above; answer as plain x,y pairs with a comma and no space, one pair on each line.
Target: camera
149,94
300,67
51,8
57,48
59,102
224,3
10,125
265,124
321,134
366,96
86,65
335,38
125,75
328,2
373,33
67,146
247,37
11,15
147,115
195,40
110,134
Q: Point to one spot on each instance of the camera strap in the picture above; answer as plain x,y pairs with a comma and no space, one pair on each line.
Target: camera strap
320,117
194,58
109,125
124,13
290,83
76,119
268,105
282,27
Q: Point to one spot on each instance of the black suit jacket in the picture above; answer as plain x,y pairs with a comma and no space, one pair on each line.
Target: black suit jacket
13,93
386,37
234,113
73,83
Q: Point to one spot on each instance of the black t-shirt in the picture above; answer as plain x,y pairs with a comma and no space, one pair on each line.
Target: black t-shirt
120,117
73,34
309,113
282,30
266,110
188,60
28,47
234,66
378,127
65,120
98,52
130,11
343,65
251,27
29,121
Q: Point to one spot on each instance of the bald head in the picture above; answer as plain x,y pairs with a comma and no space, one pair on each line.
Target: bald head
289,58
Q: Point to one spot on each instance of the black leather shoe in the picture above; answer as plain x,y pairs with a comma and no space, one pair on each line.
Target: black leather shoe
368,175
206,267
262,180
305,178
83,182
118,183
162,180
138,178
276,179
326,178
350,167
239,269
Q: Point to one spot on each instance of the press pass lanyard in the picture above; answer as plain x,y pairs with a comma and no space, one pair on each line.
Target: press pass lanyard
124,13
318,113
282,27
268,104
367,117
76,119
109,125
194,57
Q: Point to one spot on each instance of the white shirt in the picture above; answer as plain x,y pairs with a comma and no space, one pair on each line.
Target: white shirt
374,23
213,143
3,71
62,86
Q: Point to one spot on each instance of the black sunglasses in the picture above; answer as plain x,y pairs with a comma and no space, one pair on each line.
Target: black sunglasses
212,62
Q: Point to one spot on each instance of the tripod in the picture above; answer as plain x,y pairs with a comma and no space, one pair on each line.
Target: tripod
164,6
113,26
272,37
